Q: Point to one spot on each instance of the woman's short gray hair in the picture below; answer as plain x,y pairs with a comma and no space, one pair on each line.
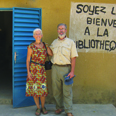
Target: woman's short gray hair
62,24
37,29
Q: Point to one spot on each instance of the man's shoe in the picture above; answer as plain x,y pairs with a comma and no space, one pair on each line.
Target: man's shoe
59,111
69,114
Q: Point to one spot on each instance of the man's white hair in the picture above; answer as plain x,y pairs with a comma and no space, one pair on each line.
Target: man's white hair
37,29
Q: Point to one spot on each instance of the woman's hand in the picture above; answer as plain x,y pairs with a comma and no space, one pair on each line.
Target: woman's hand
30,76
50,53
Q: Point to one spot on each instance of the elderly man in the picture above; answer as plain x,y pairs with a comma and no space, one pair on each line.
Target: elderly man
64,58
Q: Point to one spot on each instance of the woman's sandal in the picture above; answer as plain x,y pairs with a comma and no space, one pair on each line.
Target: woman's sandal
44,111
38,112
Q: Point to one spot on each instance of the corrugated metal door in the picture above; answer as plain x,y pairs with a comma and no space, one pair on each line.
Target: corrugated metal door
25,20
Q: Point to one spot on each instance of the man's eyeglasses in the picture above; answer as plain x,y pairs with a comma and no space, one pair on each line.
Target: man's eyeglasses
61,29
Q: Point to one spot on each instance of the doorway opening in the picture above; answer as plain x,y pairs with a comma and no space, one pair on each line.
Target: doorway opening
6,56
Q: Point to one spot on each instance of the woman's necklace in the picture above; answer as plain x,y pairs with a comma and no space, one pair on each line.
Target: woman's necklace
38,43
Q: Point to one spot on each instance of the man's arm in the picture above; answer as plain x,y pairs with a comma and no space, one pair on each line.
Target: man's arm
73,61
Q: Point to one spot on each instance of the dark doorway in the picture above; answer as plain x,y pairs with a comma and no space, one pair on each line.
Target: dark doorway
6,55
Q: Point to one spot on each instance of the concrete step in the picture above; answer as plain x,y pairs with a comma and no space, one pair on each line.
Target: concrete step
78,110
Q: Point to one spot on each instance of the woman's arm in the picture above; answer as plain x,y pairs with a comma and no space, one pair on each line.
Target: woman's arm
50,53
29,52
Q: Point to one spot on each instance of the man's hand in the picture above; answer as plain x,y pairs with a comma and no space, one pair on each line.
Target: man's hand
71,74
73,60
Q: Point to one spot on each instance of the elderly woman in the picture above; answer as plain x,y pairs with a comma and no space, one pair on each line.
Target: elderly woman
36,84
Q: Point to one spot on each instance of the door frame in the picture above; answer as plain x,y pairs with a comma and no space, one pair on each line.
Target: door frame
7,9
12,10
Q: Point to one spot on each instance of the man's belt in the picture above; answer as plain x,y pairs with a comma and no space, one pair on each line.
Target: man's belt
64,65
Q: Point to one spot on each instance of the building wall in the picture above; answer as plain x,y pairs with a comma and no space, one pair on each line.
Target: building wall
95,72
